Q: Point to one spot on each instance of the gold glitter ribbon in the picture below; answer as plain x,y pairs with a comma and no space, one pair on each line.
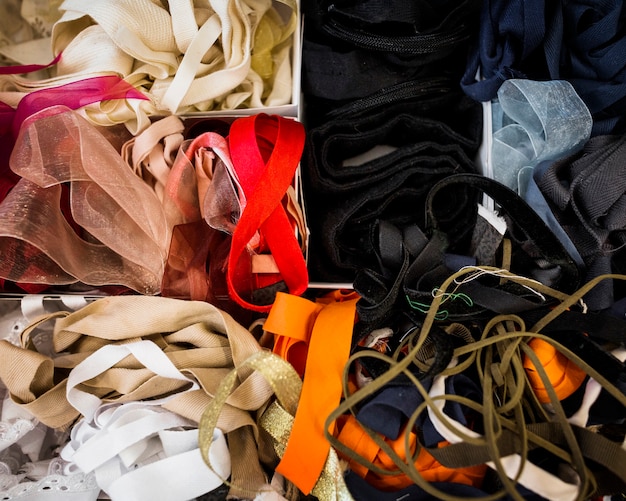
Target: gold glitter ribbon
276,420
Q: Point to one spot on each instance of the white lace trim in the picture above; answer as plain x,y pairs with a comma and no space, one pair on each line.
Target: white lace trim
52,487
11,432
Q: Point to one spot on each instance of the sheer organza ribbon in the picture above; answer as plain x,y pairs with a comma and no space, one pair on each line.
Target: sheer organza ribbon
73,95
202,200
535,121
125,230
265,150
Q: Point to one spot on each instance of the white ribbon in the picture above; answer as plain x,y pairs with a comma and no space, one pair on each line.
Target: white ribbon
140,451
532,477
146,352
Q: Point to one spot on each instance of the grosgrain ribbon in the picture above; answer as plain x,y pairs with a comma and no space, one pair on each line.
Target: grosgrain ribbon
265,150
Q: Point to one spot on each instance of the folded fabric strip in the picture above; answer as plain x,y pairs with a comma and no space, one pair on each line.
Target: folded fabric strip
352,435
353,49
175,53
372,162
277,420
202,200
575,41
152,152
586,194
330,322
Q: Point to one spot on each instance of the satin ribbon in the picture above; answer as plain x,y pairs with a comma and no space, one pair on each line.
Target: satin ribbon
265,150
327,327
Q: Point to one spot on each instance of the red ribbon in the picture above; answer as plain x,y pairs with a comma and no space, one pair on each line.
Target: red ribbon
265,151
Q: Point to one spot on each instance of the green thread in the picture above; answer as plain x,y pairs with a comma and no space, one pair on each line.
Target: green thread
441,314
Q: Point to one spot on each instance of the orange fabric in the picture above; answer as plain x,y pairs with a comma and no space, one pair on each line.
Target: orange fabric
291,320
328,326
564,375
354,436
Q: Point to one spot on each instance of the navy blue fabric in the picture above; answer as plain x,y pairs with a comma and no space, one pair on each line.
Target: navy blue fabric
459,384
579,41
510,32
362,491
390,409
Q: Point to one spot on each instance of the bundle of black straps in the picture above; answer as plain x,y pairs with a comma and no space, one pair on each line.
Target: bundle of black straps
513,303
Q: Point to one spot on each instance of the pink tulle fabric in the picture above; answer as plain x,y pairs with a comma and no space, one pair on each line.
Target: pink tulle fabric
125,235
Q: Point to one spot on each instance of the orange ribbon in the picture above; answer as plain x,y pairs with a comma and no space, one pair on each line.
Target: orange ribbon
354,436
564,375
316,337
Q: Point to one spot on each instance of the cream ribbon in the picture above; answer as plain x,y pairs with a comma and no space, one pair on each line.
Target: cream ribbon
188,59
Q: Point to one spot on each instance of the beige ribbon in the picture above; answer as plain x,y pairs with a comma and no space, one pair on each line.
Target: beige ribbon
151,153
201,341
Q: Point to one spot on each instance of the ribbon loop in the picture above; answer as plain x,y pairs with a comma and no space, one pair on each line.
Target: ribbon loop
265,151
